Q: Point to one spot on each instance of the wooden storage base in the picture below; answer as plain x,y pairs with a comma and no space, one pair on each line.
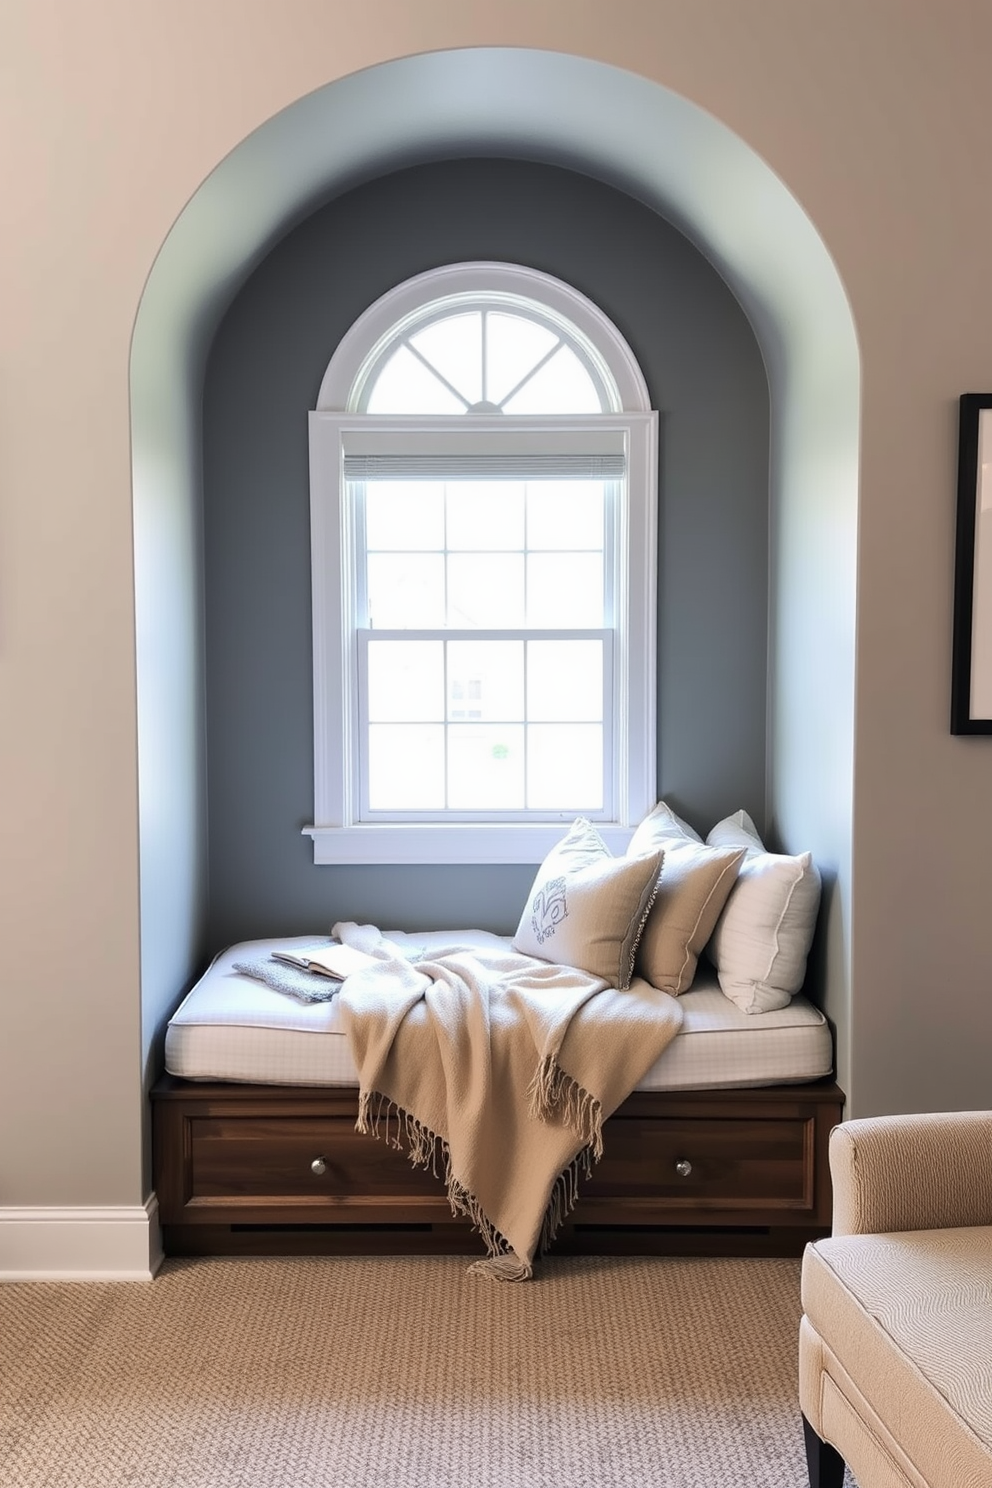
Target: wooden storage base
280,1170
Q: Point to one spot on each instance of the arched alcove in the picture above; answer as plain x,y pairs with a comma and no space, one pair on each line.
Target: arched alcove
630,133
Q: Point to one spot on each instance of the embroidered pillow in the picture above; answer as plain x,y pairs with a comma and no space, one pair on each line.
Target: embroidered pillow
691,894
587,908
763,936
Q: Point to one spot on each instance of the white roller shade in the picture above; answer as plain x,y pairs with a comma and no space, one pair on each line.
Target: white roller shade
476,467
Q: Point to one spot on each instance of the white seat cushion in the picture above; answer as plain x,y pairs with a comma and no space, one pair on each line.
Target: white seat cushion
231,1027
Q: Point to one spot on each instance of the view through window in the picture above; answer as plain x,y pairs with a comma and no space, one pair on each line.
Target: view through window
486,648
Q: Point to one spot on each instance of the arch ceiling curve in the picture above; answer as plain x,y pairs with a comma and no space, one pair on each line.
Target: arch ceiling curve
547,106
633,134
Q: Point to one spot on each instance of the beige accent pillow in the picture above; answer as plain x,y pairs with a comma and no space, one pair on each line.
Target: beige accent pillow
763,936
691,894
587,908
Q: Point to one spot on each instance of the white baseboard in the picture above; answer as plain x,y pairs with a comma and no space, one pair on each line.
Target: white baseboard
114,1243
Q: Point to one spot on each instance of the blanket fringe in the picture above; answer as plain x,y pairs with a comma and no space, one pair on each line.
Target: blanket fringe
555,1095
382,1118
564,1196
508,1267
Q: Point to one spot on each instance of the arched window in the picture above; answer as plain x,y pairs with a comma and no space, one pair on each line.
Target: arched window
483,496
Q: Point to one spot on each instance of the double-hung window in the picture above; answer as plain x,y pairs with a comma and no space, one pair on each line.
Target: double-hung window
483,492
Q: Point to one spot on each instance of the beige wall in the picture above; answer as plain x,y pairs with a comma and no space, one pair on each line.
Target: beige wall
874,114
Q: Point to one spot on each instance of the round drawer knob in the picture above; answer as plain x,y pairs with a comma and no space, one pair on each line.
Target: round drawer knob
319,1165
683,1167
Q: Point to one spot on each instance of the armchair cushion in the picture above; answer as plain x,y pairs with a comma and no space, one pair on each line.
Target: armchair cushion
906,1319
895,1345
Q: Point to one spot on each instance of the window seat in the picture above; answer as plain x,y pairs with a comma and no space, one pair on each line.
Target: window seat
720,1150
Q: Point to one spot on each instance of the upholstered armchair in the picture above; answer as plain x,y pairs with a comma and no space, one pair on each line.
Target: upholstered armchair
895,1349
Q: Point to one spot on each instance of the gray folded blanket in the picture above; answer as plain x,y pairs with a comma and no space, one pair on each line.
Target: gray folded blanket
306,986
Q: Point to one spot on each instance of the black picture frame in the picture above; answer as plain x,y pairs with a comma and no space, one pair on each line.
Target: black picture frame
971,661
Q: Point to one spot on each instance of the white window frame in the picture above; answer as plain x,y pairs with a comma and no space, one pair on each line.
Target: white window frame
337,428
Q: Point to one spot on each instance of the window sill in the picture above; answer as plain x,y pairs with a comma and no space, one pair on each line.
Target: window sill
421,843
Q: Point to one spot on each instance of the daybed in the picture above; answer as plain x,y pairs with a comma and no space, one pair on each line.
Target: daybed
719,1146
256,1149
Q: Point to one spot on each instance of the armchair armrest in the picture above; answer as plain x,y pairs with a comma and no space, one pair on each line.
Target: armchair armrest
912,1172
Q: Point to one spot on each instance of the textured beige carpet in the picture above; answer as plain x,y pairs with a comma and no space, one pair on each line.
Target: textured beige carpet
405,1373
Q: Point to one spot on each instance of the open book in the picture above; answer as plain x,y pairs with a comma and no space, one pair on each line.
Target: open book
330,959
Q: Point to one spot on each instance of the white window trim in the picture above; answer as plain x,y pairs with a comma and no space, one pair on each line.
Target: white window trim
338,837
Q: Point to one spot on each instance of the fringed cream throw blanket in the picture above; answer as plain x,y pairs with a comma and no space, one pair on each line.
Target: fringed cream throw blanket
499,1070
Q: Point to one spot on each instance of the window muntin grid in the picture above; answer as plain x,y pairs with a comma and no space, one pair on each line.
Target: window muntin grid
480,693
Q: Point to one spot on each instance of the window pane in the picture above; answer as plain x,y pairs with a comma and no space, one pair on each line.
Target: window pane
405,680
404,514
485,514
564,681
485,590
406,766
565,514
486,767
561,386
513,346
565,589
565,767
454,347
405,591
406,386
486,680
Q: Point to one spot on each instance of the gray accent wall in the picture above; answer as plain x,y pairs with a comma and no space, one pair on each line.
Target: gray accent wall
706,376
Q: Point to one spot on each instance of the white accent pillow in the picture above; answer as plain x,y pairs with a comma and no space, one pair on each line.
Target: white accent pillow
763,936
587,908
692,892
660,823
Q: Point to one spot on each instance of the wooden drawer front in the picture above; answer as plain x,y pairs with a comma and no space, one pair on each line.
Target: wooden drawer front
272,1157
747,1164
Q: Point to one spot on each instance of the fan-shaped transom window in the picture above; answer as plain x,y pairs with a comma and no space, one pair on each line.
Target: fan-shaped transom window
483,490
485,358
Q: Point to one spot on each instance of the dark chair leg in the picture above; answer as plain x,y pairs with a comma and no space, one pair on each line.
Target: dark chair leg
824,1463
